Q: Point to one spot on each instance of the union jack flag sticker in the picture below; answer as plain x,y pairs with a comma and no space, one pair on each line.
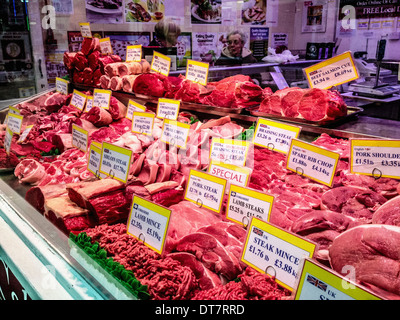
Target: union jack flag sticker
318,283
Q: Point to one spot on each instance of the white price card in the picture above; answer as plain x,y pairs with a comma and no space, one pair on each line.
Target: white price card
168,108
78,99
105,46
142,122
148,222
134,53
101,98
160,63
375,157
229,151
245,203
197,71
276,252
24,134
14,122
62,85
332,72
205,190
80,138
274,135
85,29
133,106
115,161
233,174
175,133
89,103
7,140
313,162
94,158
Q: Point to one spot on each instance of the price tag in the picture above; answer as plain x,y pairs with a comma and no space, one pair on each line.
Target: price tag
94,159
175,133
318,282
332,72
13,110
6,119
312,161
24,134
79,138
197,71
142,123
7,140
149,222
101,98
378,158
160,63
168,108
134,53
233,174
62,85
229,151
276,252
274,135
89,103
85,29
133,106
14,122
78,99
205,190
105,46
244,203
115,161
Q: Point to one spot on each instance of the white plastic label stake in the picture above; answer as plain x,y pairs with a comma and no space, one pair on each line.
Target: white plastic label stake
79,138
101,98
197,71
115,161
14,122
62,85
175,133
142,122
85,29
134,53
78,99
161,63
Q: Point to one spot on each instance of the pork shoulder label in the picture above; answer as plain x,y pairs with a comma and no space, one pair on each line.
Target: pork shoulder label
94,159
115,161
175,133
197,71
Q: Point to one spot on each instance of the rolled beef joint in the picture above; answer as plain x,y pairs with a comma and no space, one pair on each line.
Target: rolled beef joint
128,82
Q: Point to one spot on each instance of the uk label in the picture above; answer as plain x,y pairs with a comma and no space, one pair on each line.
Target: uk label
160,63
115,161
89,103
85,29
205,190
149,223
244,203
7,140
101,98
134,53
168,108
175,133
105,46
312,162
78,99
142,123
24,134
276,252
14,122
79,138
274,135
233,174
62,85
133,106
378,158
229,151
197,71
94,159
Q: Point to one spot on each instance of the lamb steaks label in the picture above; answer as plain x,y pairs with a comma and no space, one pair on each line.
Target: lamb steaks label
197,71
149,222
78,99
142,122
312,162
133,106
105,46
62,85
79,138
378,158
7,140
85,29
101,98
332,72
160,63
168,108
205,190
274,135
115,161
276,252
233,174
89,103
134,53
244,203
229,151
14,122
94,158
175,133
316,282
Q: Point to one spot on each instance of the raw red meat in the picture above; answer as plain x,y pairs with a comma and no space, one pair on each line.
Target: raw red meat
29,171
69,59
150,84
273,103
100,117
117,109
89,45
80,61
93,59
105,82
388,213
8,161
128,82
190,91
62,141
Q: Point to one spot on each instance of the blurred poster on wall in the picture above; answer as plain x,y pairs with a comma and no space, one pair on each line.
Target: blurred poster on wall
207,46
120,40
65,7
104,11
314,16
184,49
259,42
279,39
254,12
206,11
152,11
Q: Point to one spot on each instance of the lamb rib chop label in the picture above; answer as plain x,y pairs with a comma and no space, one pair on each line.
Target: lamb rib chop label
105,46
244,203
275,135
85,29
142,122
375,157
168,108
7,140
149,223
24,134
62,85
133,106
276,252
160,63
233,174
78,99
94,158
14,122
332,72
134,53
205,190
80,138
317,282
175,133
229,151
89,103
313,162
197,71
115,161
101,98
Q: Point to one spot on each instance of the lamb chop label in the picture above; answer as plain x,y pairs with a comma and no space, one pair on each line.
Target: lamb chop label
134,53
132,107
89,103
375,157
317,282
197,71
168,108
229,151
149,222
101,98
274,135
313,162
78,99
14,122
205,190
79,138
25,133
276,252
160,63
85,29
115,161
142,123
175,133
7,140
332,72
105,46
62,85
244,203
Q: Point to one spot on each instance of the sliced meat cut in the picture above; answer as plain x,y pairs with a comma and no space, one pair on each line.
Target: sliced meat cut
37,196
29,171
128,82
116,83
388,213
